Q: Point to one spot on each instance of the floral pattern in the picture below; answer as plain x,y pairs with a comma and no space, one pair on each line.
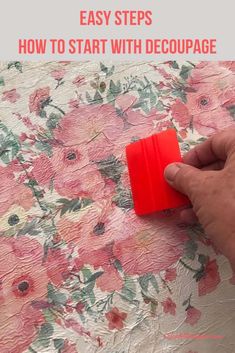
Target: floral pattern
79,271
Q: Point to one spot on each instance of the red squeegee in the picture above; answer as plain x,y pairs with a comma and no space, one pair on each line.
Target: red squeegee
147,159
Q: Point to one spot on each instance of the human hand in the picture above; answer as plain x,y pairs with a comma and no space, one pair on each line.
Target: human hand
207,177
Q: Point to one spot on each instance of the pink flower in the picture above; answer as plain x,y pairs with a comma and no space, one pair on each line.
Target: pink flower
139,126
29,279
211,279
211,93
25,325
170,274
102,259
58,74
125,101
23,280
12,192
169,306
71,172
57,266
115,319
86,123
203,112
193,315
110,280
85,182
95,227
79,80
136,118
228,64
101,148
180,113
150,245
37,98
11,96
42,169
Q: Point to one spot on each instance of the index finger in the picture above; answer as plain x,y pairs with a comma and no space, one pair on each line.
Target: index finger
216,148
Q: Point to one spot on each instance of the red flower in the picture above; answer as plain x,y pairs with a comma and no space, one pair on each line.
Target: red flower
115,318
193,315
209,282
37,98
80,307
169,306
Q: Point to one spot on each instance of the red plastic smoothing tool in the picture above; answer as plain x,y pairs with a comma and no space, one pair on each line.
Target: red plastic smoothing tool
147,159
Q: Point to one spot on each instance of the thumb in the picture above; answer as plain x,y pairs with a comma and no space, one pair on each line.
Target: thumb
183,178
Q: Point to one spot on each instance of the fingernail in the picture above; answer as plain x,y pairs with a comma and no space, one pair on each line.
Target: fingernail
171,171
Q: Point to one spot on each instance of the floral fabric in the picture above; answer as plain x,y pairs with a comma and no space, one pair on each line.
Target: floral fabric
79,271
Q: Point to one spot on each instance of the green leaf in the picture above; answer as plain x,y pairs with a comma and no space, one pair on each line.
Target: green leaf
108,72
2,82
44,147
114,90
185,71
144,281
94,276
123,198
129,290
180,93
185,302
103,68
111,168
111,71
86,273
58,343
42,113
55,297
117,264
45,334
231,110
9,144
154,283
15,64
159,106
199,274
73,205
203,259
174,65
97,98
53,121
88,98
190,249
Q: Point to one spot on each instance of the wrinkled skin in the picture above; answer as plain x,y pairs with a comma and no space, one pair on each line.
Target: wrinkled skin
207,177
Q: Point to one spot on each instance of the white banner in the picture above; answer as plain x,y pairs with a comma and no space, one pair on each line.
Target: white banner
129,30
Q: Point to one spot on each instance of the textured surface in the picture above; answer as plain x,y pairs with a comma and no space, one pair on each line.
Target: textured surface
79,272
